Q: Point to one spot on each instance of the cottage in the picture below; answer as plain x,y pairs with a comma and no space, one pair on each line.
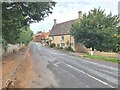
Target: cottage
60,34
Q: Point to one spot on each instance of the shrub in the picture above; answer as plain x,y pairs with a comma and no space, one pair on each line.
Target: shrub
52,45
61,47
47,42
58,46
69,49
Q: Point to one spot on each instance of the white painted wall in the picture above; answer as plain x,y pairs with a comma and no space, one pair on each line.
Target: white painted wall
10,49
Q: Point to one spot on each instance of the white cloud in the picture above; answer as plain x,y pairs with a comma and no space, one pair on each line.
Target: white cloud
67,10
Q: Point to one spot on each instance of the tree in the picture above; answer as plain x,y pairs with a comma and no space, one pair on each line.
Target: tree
16,15
97,30
25,36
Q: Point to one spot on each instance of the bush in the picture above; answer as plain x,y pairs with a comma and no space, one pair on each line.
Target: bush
58,46
69,49
61,47
52,45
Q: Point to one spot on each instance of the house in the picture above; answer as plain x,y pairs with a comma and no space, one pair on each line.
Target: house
60,34
37,37
45,35
40,36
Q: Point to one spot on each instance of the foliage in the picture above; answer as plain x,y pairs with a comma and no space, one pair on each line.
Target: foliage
61,48
25,36
0,39
118,39
69,49
67,43
58,46
52,45
97,30
16,15
4,44
45,40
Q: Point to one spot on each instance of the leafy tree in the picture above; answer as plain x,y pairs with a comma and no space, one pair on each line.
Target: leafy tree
118,39
25,36
97,30
16,15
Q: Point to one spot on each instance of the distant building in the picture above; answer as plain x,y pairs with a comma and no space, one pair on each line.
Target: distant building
40,36
37,37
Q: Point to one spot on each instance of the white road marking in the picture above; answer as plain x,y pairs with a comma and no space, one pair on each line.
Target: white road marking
90,76
108,67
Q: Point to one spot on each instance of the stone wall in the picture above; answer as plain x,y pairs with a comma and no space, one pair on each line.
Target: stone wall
58,40
11,49
81,48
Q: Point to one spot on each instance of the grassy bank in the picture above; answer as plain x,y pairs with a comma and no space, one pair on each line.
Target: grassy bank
115,60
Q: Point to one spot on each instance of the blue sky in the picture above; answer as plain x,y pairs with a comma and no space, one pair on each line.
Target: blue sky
68,9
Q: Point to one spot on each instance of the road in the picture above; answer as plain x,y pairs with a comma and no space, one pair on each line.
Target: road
57,69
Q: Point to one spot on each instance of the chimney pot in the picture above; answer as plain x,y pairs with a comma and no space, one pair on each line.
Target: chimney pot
79,14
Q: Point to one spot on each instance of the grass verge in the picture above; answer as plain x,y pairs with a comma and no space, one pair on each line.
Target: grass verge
115,60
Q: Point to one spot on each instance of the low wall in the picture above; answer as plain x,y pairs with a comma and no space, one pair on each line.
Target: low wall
80,48
11,49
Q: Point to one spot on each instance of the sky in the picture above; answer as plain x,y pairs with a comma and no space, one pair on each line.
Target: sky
66,10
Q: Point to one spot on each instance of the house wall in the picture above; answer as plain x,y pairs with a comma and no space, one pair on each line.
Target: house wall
58,40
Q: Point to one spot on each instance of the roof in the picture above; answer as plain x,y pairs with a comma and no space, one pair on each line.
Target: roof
62,28
38,34
45,34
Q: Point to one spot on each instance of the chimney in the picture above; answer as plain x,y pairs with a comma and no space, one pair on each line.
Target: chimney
54,21
79,14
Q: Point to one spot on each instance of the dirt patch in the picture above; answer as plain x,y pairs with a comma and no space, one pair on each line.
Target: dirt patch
9,62
25,74
107,54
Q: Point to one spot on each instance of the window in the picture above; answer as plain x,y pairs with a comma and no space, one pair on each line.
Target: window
62,37
62,44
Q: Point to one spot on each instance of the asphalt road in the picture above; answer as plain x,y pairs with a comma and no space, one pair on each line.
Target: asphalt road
53,68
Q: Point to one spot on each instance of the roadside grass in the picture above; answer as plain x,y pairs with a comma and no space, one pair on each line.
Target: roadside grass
96,57
115,60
